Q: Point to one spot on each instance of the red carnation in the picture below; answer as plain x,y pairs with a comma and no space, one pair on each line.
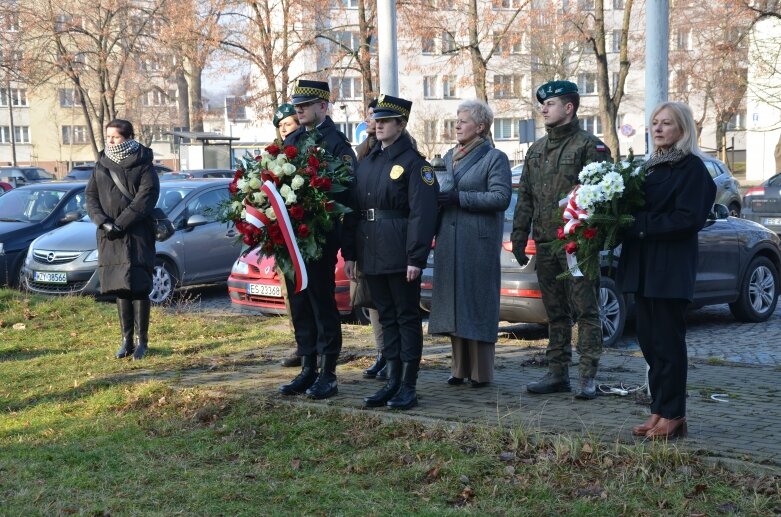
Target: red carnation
249,240
303,231
238,174
311,170
571,247
560,233
275,234
273,150
296,212
291,152
324,184
313,162
329,206
233,187
258,158
590,233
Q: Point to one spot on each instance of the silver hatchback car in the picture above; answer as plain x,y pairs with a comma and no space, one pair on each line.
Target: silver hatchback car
202,250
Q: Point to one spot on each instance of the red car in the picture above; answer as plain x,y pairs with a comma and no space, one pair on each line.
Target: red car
5,187
255,284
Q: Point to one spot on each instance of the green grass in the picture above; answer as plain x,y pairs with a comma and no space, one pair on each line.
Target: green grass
82,433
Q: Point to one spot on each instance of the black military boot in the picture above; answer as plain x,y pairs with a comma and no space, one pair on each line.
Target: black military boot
372,371
382,375
325,385
141,310
303,380
406,397
379,399
552,382
291,361
125,310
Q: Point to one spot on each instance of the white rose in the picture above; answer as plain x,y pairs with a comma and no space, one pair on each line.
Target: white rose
297,182
236,206
289,169
244,213
291,198
259,198
285,190
243,185
270,214
255,183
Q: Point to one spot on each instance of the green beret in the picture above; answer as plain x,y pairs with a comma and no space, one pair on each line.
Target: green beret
555,89
283,112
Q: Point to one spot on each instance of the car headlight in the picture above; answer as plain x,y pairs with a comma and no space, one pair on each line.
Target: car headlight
240,268
92,257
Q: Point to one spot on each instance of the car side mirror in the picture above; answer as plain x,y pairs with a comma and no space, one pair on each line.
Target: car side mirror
196,220
71,216
719,211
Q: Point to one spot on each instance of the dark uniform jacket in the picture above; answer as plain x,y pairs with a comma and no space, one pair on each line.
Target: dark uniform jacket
396,178
550,172
125,263
659,252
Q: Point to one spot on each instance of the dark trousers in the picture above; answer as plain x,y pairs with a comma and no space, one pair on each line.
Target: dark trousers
661,332
316,322
397,302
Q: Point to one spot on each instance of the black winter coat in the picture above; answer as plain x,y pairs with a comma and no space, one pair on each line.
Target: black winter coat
659,253
125,264
396,178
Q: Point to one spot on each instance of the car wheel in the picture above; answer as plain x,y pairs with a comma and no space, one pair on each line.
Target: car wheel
361,315
758,294
612,312
164,281
734,209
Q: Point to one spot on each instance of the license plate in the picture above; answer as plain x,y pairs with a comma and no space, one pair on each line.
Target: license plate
772,221
50,278
265,290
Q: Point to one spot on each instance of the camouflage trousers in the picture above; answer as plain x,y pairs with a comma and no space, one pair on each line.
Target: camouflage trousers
565,301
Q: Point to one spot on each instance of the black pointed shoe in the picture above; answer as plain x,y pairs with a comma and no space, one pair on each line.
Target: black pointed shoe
325,385
141,310
304,380
372,371
406,397
381,398
125,310
550,383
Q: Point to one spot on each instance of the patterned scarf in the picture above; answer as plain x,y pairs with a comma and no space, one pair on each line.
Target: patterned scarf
117,153
660,156
463,150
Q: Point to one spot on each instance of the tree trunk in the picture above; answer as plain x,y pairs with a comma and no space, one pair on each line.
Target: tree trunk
183,102
478,63
196,100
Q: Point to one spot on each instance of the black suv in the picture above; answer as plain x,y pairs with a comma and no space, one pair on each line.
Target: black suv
19,176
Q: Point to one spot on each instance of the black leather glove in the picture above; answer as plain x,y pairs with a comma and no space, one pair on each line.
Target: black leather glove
113,231
520,256
449,198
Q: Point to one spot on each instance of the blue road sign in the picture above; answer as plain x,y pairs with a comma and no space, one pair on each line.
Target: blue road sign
360,133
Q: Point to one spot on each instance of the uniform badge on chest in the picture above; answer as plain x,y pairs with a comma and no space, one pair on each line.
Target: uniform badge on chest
396,172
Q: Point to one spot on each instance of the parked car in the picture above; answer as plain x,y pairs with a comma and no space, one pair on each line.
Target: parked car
197,173
5,187
19,176
254,284
727,187
201,251
30,211
739,264
84,171
762,204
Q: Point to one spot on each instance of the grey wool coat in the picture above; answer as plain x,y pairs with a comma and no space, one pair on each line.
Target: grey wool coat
125,264
465,299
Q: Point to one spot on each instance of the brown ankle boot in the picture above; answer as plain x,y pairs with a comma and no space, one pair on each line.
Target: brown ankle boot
640,430
668,428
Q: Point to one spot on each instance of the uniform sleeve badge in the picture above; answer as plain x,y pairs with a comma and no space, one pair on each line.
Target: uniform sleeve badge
427,173
347,158
396,172
601,148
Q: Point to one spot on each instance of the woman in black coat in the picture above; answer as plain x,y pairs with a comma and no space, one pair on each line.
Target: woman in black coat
659,262
126,240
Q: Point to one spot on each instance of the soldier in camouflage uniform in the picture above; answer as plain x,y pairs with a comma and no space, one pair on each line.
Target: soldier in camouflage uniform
551,170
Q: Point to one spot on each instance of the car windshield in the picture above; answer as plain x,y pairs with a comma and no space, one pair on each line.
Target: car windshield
170,196
38,174
80,174
26,205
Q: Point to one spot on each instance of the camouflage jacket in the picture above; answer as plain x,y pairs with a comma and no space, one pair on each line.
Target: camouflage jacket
551,170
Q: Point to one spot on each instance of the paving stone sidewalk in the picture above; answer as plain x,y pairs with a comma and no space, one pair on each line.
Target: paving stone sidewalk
746,426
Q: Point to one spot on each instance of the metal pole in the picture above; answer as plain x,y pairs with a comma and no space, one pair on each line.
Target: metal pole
657,47
386,36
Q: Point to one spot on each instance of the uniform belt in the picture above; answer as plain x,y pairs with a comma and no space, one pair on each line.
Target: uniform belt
374,214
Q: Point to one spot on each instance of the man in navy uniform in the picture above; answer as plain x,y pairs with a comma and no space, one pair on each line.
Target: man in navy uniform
314,313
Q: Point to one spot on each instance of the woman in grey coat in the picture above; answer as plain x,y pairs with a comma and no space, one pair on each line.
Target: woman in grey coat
465,303
126,239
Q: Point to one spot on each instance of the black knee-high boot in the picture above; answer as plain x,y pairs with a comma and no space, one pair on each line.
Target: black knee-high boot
141,310
125,310
406,397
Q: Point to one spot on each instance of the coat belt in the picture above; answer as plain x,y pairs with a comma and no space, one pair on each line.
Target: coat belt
374,214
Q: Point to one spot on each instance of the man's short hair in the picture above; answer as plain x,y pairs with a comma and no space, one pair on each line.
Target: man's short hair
574,98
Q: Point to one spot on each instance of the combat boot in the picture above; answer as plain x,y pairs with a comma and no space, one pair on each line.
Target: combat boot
372,371
382,375
125,309
379,399
141,310
304,380
291,361
550,383
325,385
587,388
406,397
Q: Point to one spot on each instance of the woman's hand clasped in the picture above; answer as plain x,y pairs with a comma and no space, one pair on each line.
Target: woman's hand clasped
449,198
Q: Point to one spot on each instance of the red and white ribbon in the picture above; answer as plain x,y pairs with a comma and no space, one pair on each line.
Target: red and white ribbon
259,219
573,214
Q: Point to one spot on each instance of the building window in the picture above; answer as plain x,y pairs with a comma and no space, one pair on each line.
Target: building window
510,43
449,87
156,133
447,4
347,87
236,108
430,131
592,124
681,82
347,40
506,129
66,22
737,122
586,5
18,97
21,134
616,41
449,130
618,4
347,128
351,4
430,87
10,21
68,98
427,45
683,39
507,4
158,97
615,82
448,43
74,135
507,86
587,83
